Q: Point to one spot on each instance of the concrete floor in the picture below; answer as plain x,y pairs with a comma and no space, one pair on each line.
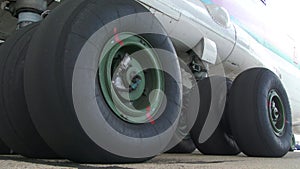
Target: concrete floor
166,161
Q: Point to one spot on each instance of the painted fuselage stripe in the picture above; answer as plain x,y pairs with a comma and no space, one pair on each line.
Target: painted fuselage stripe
251,28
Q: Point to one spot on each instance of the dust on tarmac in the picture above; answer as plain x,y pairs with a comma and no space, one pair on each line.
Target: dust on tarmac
165,161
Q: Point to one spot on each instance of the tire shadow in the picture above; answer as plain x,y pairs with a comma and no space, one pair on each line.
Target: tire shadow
56,162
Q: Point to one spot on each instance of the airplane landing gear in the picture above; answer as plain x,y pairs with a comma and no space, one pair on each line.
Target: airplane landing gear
72,61
260,114
211,119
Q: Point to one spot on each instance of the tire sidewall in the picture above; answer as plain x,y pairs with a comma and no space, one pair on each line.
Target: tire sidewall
250,123
267,82
70,106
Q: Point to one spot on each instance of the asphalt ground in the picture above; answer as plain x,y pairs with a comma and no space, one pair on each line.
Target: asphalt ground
165,161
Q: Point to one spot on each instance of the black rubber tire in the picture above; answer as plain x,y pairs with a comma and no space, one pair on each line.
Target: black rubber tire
16,127
184,147
4,149
249,117
49,83
189,103
293,143
220,142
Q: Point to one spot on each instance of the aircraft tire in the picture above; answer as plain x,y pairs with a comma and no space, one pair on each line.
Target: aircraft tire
184,147
69,87
260,114
4,149
16,127
221,141
189,110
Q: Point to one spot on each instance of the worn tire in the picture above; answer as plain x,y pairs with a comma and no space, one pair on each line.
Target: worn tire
16,127
220,142
256,97
64,90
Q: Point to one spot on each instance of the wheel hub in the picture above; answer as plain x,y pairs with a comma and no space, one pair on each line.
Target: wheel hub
129,79
129,72
276,113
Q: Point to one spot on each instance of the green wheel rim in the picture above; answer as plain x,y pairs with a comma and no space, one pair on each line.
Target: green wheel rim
131,78
276,113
